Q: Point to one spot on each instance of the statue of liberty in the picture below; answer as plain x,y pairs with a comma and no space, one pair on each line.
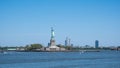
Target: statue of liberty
52,34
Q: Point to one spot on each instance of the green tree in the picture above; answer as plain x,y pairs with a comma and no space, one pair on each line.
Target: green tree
33,46
27,47
68,47
36,46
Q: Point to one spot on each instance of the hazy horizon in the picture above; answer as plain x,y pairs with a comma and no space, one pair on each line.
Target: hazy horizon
25,22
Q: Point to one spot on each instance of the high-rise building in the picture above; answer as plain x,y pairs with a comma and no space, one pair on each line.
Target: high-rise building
96,43
66,41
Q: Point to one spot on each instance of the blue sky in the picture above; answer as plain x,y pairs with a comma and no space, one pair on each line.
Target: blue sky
84,21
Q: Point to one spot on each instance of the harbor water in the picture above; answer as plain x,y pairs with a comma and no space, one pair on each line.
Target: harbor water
102,59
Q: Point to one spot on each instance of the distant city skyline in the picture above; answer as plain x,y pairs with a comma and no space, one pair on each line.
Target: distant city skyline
25,22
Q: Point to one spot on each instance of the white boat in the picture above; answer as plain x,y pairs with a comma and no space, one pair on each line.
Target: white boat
3,52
